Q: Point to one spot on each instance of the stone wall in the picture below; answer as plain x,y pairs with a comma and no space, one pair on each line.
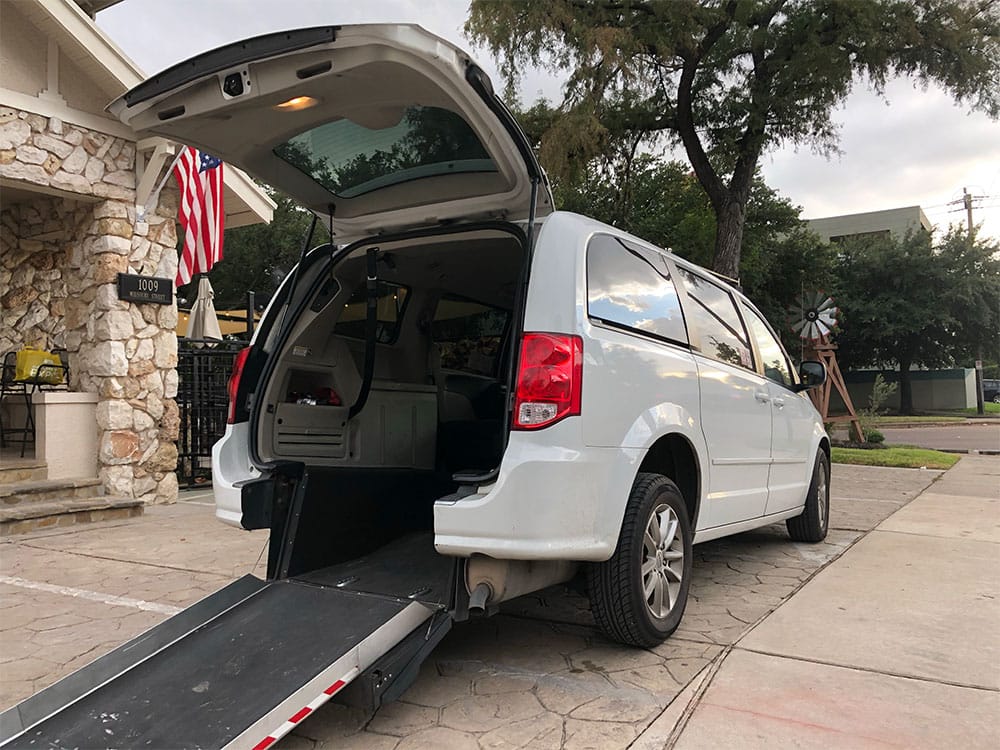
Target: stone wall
32,287
74,249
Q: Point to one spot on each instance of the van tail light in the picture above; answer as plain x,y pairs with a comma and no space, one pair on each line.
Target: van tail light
234,383
549,380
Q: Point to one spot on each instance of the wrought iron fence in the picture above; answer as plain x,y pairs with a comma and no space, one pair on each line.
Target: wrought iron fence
203,369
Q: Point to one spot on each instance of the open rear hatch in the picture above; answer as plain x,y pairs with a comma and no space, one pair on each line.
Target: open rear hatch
385,127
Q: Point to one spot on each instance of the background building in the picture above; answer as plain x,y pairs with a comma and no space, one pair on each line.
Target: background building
894,221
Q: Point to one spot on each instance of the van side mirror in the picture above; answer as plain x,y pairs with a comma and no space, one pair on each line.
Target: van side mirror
812,374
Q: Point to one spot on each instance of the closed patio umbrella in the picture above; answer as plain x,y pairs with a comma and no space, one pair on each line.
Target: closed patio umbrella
203,323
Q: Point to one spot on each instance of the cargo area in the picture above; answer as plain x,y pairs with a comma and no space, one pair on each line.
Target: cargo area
435,406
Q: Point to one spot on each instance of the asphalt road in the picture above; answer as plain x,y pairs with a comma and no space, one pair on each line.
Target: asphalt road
981,437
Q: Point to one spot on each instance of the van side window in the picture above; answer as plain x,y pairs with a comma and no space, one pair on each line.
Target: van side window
468,334
722,334
771,354
630,287
391,303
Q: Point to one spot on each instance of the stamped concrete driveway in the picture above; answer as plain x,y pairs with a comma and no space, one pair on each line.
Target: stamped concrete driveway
538,675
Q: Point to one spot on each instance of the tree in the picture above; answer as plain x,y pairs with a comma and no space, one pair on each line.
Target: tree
906,302
730,79
256,258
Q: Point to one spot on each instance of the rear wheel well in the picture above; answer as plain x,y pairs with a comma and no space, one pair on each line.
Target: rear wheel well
824,445
674,457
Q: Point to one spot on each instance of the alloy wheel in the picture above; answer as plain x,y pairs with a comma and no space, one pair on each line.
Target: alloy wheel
663,561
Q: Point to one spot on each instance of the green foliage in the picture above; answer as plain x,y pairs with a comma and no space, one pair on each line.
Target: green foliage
989,407
257,257
901,457
881,392
873,436
730,80
906,302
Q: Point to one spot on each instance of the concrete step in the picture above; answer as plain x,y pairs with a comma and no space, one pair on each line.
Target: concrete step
39,516
22,470
45,490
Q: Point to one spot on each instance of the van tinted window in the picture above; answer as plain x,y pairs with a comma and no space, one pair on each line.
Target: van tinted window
349,159
468,334
630,287
722,334
771,354
391,302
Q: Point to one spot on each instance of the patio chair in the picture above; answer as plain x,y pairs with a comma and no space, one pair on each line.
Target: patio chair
22,389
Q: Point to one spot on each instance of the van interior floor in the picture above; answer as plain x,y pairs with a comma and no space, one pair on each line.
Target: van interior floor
407,568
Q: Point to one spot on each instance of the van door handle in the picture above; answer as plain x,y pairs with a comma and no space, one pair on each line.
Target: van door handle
779,402
762,396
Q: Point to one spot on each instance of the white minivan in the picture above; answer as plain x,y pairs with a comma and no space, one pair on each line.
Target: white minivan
465,396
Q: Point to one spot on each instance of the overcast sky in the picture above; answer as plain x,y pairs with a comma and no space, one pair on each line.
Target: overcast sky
919,149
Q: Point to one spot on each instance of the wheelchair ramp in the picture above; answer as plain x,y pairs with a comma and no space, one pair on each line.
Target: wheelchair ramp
237,670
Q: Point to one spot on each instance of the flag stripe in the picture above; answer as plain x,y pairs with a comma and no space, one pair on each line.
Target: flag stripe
201,213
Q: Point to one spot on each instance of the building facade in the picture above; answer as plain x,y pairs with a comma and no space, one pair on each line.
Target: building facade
895,222
78,207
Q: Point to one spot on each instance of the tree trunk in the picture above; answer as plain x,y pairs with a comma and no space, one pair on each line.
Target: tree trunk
905,392
729,238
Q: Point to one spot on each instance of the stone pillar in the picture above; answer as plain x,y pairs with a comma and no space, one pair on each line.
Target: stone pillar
126,353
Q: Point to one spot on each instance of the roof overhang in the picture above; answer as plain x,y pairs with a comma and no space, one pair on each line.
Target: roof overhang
109,67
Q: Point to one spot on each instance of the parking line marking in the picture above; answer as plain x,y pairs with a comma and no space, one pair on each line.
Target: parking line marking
94,596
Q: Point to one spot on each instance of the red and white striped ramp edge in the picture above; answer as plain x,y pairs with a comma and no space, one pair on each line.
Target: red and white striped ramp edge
307,709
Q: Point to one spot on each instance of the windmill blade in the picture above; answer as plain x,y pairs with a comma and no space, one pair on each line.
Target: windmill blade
827,304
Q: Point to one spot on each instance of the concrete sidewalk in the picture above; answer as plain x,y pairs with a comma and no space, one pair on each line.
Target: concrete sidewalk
895,644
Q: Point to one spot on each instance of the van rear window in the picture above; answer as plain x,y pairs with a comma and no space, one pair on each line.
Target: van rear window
349,159
391,304
630,287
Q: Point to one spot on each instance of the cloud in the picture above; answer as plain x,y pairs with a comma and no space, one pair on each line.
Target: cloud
919,149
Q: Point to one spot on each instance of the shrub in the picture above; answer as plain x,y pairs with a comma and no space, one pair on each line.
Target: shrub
873,436
881,391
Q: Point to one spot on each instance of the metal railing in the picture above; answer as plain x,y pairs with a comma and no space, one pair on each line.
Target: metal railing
203,369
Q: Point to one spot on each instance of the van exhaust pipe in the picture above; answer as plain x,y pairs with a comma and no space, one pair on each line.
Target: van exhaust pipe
490,582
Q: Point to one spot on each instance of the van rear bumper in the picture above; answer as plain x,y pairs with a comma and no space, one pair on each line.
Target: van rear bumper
230,465
548,503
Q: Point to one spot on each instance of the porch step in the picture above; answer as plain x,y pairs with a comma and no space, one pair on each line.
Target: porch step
22,470
45,490
38,516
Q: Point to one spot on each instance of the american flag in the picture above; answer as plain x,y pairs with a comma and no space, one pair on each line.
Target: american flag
199,176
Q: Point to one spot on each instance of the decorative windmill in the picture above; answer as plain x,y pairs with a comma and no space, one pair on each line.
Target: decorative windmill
814,318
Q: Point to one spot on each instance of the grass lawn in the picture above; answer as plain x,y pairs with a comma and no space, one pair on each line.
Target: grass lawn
886,421
989,407
899,456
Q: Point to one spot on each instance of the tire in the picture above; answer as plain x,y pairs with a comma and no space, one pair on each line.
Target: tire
814,521
996,399
617,587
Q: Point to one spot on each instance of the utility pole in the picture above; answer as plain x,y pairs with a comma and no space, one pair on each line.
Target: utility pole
967,199
980,406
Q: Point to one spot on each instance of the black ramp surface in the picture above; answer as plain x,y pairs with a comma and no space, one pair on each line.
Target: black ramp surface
55,697
204,690
408,568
